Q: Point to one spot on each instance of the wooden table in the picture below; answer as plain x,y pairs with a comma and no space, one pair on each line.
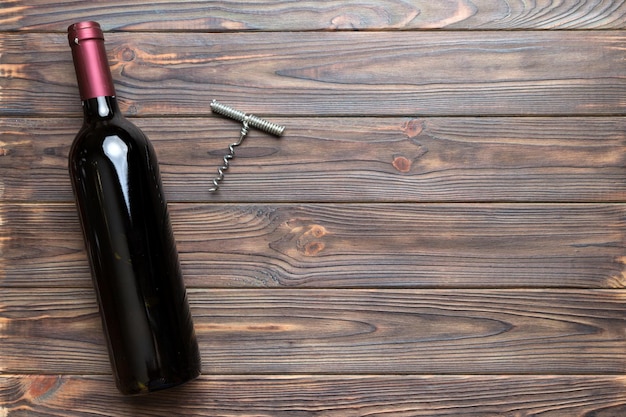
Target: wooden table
440,232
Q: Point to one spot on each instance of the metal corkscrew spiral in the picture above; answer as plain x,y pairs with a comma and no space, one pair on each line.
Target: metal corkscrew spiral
228,157
248,120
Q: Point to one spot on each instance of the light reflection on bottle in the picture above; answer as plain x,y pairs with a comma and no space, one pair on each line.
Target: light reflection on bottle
103,107
117,151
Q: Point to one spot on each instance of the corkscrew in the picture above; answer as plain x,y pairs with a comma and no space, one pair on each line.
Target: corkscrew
248,121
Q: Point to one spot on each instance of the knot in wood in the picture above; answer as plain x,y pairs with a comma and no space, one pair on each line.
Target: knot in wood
128,54
313,248
412,128
402,164
42,387
308,243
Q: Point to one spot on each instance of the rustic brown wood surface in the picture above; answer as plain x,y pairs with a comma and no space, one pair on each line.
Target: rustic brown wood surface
338,331
330,159
347,245
332,73
287,15
440,232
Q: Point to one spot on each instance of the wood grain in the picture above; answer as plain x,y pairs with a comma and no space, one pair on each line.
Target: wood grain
346,245
332,396
330,73
57,331
289,15
348,159
440,232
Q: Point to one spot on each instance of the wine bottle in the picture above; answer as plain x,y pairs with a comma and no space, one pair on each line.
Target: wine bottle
128,235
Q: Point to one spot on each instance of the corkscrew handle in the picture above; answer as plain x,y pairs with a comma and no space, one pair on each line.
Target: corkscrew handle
248,121
253,121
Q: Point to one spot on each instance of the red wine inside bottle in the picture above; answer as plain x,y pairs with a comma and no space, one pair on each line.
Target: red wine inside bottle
128,236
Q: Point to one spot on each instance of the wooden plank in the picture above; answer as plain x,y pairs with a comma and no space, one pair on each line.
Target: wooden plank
345,245
288,15
330,73
332,396
57,331
348,159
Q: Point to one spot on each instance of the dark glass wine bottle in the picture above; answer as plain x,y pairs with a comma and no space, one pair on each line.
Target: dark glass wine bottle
128,236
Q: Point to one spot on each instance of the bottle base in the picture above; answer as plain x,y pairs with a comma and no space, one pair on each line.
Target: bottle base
159,384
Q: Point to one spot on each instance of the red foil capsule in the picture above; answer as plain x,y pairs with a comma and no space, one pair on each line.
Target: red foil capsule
90,60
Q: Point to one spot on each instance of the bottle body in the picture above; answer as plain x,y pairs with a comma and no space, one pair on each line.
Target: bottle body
132,252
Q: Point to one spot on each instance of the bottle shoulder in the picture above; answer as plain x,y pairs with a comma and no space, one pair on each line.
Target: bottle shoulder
101,141
94,133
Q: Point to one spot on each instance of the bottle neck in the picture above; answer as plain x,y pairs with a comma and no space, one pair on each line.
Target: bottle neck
90,61
100,108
